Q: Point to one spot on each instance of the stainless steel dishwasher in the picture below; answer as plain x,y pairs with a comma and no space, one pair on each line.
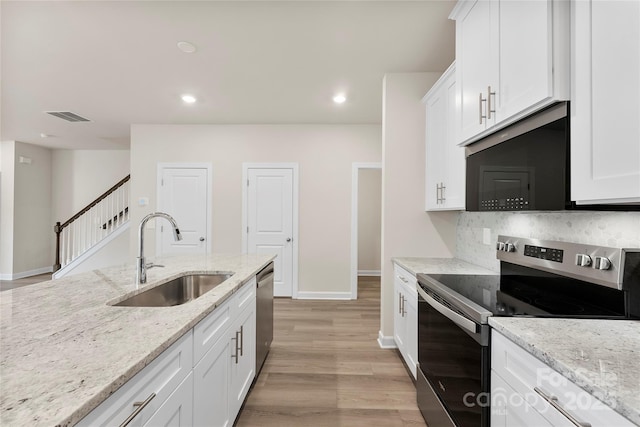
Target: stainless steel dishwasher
264,315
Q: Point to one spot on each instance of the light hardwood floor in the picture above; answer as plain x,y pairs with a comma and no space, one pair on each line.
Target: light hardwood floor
5,285
325,368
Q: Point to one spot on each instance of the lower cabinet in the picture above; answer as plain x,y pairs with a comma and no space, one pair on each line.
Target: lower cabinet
527,392
200,380
405,319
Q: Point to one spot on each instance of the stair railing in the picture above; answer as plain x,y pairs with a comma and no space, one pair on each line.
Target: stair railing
92,224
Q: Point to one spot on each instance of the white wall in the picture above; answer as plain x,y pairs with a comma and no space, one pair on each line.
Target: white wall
406,229
369,217
79,176
26,210
614,229
7,207
324,154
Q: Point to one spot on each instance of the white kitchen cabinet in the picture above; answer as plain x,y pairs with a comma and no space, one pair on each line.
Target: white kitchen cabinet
527,392
512,59
605,102
243,357
405,330
177,410
445,160
201,379
223,376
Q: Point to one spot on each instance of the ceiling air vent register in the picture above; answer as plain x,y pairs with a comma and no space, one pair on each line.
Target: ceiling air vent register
68,116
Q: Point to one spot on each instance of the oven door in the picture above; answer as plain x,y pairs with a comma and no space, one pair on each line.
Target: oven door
453,356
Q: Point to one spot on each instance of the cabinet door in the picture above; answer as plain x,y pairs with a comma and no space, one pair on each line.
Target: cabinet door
455,161
435,140
411,321
525,56
177,410
211,385
509,409
476,62
399,327
605,108
243,357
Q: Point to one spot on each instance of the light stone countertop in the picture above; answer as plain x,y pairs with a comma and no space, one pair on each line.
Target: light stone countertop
63,350
416,265
601,356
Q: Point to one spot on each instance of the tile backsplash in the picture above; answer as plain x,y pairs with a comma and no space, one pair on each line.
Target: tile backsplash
615,229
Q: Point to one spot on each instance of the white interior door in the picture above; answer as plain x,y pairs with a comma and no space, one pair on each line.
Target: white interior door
183,194
270,218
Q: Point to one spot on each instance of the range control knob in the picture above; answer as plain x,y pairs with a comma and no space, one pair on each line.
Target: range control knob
510,247
583,260
602,263
500,246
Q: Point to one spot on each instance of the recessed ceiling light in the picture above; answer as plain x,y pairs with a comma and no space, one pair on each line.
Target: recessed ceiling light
189,99
339,98
187,47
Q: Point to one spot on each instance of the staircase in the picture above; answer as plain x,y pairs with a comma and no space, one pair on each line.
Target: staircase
92,228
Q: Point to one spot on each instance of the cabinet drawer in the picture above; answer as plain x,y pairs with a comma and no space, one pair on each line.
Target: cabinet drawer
211,329
529,377
162,376
407,281
244,296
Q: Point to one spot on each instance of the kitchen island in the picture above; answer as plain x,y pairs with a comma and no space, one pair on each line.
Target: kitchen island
64,349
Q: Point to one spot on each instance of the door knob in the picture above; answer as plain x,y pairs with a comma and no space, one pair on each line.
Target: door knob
202,239
288,239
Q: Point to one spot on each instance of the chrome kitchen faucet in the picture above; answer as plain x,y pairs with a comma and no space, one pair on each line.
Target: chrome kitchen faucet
141,267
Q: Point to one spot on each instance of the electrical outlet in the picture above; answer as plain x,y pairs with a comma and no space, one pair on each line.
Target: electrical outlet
486,236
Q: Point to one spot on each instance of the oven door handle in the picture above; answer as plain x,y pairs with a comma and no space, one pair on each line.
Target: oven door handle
459,320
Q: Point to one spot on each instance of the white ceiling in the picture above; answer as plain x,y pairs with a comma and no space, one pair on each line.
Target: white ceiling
117,63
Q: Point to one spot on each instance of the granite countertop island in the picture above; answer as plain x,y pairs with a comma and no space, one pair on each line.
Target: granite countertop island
601,356
64,349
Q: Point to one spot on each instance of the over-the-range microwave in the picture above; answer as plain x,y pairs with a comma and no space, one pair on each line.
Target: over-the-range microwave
525,167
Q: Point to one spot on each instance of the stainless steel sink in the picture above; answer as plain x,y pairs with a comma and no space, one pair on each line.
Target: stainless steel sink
176,292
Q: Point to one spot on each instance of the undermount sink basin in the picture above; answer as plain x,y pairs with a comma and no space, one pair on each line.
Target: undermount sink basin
176,292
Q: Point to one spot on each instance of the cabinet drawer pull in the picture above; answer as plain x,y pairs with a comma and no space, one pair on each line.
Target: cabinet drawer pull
403,310
403,279
139,407
399,303
241,340
553,401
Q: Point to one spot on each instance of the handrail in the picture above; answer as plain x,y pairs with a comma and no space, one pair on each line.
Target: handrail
96,201
58,228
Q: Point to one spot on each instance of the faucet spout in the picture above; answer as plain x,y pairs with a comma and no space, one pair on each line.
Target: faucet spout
141,267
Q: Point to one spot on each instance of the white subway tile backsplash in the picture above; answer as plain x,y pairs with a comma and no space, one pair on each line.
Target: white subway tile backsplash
615,229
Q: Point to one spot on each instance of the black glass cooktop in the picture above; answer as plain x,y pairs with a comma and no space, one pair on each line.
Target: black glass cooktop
522,291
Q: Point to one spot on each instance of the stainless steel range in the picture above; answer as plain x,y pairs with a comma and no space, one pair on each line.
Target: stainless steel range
538,279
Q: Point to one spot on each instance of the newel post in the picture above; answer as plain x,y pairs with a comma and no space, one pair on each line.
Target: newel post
57,229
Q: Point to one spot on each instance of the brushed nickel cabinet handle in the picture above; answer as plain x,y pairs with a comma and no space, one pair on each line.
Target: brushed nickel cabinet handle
241,340
403,310
235,356
480,101
553,401
399,303
489,110
442,192
139,407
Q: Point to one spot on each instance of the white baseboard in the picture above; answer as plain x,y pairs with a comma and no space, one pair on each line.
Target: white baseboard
369,273
24,274
386,342
325,295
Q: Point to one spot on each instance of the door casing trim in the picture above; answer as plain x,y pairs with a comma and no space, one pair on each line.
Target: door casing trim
245,195
355,169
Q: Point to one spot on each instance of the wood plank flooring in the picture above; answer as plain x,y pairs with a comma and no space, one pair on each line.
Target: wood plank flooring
6,285
325,368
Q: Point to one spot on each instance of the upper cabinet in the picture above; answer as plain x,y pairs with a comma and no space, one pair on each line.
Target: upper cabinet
512,58
605,104
445,161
